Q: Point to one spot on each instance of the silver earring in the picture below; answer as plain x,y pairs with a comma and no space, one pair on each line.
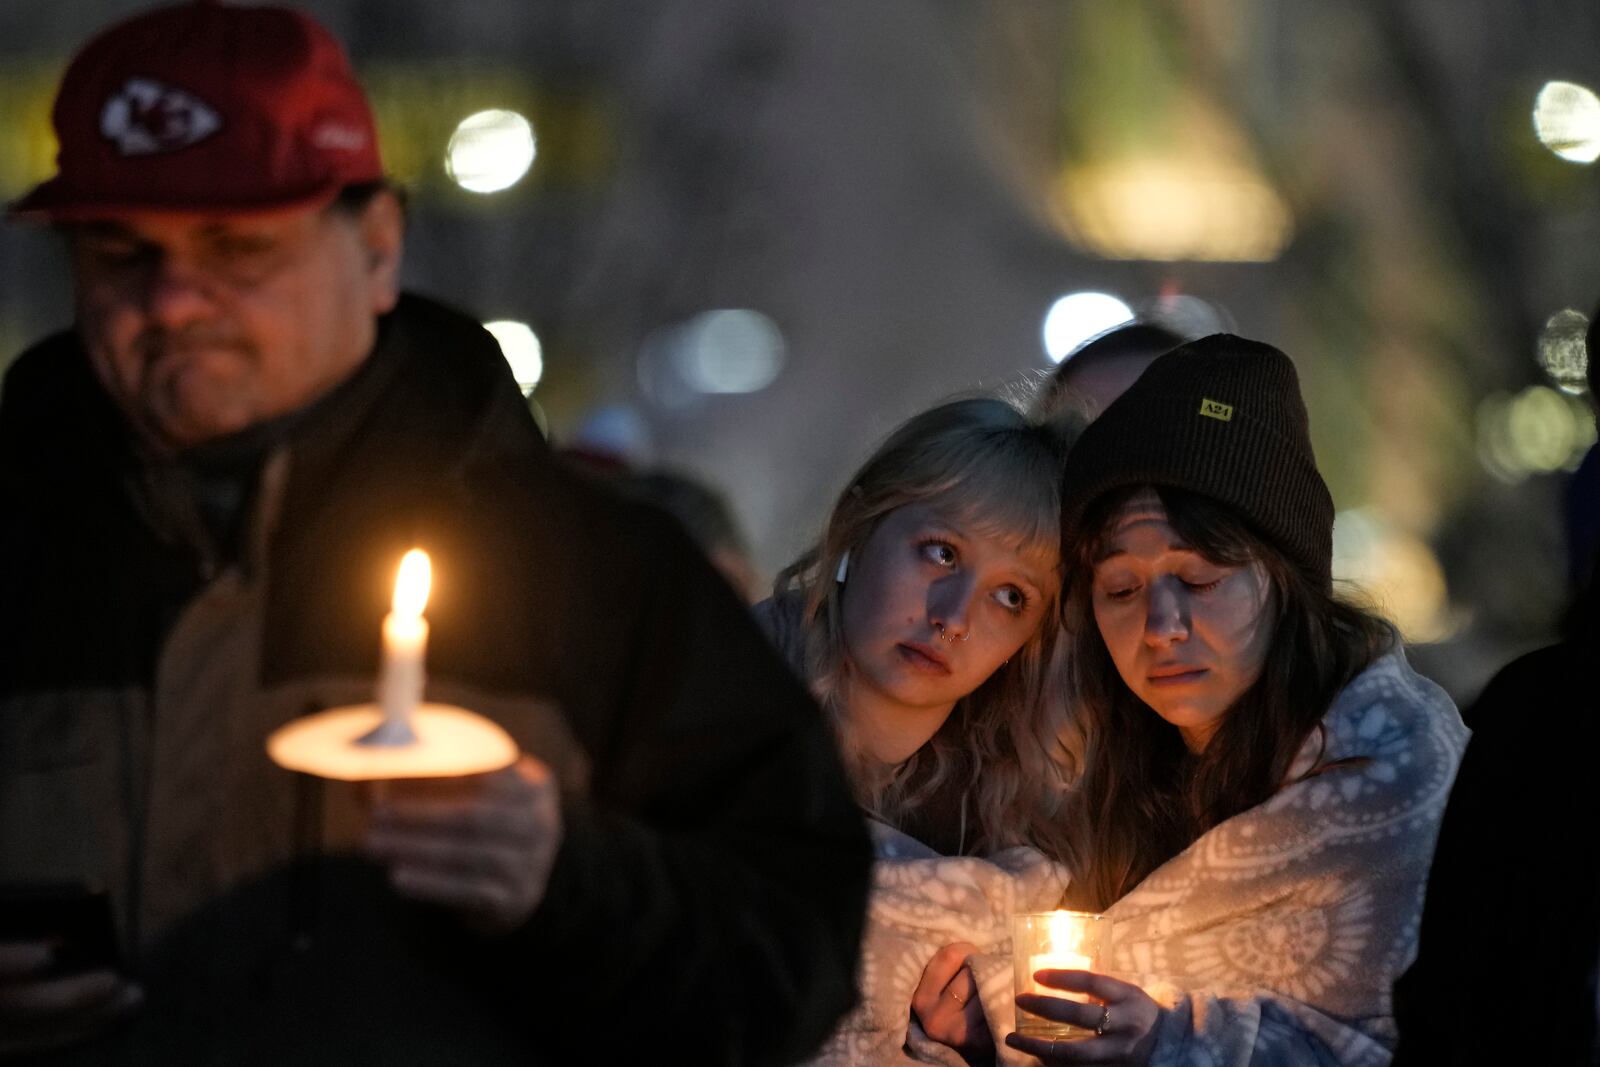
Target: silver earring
844,568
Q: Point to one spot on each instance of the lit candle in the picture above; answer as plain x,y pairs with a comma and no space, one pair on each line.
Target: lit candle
398,736
1055,941
405,647
1064,952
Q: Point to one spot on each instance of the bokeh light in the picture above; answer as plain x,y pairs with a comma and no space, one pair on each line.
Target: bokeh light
731,350
1078,317
617,432
1398,571
1537,431
1191,207
490,151
1566,116
522,350
1563,352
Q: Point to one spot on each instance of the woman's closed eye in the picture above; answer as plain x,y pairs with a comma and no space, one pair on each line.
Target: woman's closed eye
1202,579
1116,586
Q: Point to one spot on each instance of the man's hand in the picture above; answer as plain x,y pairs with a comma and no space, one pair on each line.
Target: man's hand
482,847
38,1013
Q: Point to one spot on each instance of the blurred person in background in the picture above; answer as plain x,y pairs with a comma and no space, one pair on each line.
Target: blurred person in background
204,487
1512,904
1095,374
708,518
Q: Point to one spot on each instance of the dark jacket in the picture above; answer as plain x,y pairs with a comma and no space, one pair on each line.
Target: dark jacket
706,901
1506,964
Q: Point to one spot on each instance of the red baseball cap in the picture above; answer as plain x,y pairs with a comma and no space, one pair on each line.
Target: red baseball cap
207,107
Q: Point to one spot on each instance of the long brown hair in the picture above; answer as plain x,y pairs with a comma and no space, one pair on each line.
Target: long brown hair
982,462
1143,796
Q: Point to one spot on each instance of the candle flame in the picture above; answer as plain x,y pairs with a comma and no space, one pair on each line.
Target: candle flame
412,585
1066,932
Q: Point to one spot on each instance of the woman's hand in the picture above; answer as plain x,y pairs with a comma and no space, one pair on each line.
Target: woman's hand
483,847
946,1003
1122,1017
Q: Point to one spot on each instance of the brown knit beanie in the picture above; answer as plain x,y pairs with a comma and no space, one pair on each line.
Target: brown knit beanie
1221,417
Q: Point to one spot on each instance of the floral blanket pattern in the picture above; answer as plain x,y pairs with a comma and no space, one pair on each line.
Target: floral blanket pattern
1273,940
920,902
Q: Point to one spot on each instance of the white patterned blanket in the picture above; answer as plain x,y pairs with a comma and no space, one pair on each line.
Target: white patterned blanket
1272,941
920,902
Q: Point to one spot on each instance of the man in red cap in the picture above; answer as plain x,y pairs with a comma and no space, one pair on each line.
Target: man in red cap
204,488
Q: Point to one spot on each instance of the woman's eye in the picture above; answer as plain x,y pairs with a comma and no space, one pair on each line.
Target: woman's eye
939,553
1202,587
1012,599
1121,593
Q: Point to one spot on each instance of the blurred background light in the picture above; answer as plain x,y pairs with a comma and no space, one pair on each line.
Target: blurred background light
1566,117
490,151
1208,210
1078,317
731,350
522,350
1398,571
1563,352
617,433
1543,429
1537,431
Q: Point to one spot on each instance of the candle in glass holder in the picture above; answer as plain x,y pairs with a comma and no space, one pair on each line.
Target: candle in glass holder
1055,941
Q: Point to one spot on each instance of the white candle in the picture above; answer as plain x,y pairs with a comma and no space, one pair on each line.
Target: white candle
398,736
405,647
1057,961
1068,934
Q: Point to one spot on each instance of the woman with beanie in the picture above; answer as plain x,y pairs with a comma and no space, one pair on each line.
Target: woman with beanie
1263,774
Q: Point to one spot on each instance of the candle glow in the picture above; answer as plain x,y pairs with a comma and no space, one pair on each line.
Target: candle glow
412,585
1055,941
405,647
398,736
1063,953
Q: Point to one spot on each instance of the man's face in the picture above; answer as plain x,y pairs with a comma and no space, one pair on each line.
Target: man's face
201,325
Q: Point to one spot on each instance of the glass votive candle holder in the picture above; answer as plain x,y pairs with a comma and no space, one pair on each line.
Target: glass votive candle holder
1060,941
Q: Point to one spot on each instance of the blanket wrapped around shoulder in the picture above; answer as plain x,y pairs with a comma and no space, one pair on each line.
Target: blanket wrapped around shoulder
1273,940
920,902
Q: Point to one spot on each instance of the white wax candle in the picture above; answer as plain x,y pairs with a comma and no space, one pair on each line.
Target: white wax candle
405,642
405,648
1057,961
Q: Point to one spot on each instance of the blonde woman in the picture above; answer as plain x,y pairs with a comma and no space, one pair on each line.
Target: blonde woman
925,621
919,620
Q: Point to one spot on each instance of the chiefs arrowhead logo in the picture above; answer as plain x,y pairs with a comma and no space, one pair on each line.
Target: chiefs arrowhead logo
145,117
